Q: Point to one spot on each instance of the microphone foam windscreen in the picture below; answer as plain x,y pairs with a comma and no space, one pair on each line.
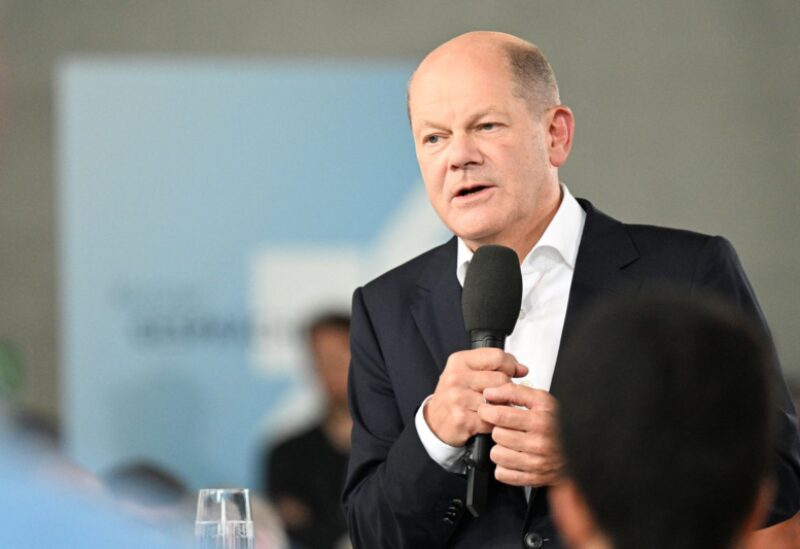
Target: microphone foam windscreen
492,290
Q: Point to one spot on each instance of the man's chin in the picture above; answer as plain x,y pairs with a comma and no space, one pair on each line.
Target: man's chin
477,238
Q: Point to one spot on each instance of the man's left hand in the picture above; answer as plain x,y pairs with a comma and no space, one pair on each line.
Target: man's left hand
526,449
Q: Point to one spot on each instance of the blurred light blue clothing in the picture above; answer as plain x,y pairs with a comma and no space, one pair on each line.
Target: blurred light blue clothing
40,513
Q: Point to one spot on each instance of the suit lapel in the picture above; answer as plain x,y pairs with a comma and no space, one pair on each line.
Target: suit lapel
437,309
605,250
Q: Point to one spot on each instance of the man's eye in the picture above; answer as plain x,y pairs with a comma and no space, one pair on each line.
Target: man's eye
432,139
488,126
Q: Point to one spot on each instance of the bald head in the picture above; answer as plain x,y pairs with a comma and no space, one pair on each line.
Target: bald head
530,74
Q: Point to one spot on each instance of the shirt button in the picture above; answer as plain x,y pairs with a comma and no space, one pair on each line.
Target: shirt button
533,540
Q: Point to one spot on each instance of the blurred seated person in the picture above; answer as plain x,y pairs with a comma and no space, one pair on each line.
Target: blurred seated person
306,472
665,427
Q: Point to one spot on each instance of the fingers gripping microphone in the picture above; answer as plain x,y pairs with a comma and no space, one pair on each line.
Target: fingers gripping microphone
490,302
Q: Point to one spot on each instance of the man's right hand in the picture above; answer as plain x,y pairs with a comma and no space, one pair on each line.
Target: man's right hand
451,413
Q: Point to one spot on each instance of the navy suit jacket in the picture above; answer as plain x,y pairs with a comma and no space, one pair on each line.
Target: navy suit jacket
406,323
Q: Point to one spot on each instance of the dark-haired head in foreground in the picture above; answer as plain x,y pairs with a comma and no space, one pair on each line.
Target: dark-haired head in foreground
665,426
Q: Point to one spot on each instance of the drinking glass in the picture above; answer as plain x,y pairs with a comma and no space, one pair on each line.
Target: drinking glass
223,519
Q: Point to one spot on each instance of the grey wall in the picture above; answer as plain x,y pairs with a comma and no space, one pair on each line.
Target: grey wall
688,114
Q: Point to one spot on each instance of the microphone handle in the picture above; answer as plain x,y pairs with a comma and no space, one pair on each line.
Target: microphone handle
479,466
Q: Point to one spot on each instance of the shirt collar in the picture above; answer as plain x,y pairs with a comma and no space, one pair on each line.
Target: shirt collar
563,235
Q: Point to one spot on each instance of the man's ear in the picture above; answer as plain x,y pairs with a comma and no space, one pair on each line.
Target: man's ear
782,535
766,493
561,129
572,516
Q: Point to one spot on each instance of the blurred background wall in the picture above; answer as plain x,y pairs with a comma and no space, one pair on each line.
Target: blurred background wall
688,114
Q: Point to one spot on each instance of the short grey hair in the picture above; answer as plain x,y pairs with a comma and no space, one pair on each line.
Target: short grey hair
533,76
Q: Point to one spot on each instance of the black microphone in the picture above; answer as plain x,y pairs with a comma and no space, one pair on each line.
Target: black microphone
491,304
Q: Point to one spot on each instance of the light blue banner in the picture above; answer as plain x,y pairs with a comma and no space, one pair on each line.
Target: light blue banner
206,208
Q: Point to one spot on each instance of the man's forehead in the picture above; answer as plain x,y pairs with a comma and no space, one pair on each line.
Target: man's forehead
454,72
435,94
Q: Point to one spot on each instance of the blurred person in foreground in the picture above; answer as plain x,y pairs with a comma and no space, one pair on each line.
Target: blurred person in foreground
491,135
307,471
48,502
666,426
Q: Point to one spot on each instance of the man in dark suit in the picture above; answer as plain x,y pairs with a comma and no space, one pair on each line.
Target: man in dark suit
490,134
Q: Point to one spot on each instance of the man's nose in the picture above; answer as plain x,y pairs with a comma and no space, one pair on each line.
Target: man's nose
464,152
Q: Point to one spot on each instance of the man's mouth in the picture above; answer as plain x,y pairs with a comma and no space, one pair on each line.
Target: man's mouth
466,191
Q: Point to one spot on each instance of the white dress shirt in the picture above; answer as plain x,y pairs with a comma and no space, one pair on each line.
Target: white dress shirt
546,279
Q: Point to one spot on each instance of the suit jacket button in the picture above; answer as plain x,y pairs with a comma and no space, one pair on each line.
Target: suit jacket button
532,540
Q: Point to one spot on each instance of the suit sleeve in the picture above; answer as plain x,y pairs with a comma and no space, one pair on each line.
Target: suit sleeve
720,272
395,495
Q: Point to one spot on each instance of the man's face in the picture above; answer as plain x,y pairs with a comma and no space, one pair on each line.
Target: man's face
482,151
